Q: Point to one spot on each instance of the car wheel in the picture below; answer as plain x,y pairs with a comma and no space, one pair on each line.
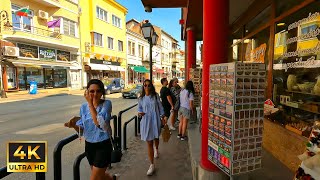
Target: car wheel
108,92
138,95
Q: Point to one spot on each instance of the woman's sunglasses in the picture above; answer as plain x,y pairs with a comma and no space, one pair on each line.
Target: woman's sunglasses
147,85
97,91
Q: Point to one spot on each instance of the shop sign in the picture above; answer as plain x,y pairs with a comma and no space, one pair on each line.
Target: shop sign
47,54
97,61
63,55
257,54
28,51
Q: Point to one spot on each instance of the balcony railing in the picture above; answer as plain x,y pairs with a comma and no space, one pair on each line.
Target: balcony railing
34,30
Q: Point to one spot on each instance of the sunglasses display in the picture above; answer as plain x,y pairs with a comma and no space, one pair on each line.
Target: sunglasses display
236,114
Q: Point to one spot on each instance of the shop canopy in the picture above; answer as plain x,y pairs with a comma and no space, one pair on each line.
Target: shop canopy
140,69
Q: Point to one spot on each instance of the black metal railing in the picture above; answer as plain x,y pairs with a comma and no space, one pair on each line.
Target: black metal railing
119,133
76,166
4,173
57,156
34,30
135,118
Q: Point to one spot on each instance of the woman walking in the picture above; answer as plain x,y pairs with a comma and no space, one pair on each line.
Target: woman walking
186,109
150,109
175,92
94,122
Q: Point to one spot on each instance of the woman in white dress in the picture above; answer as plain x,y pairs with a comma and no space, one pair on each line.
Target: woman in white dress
150,109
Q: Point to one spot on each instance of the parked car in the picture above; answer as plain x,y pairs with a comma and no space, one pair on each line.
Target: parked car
132,93
114,85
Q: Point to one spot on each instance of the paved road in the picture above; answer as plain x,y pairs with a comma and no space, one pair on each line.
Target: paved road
42,119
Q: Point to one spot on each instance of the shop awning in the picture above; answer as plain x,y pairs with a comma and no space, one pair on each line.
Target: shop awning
100,67
161,71
140,69
121,69
38,64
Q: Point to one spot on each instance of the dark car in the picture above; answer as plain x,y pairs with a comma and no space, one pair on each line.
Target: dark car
133,93
114,85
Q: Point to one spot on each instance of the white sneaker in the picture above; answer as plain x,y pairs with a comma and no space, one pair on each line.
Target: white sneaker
150,170
156,153
172,128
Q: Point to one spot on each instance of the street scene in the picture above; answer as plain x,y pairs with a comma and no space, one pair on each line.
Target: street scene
147,89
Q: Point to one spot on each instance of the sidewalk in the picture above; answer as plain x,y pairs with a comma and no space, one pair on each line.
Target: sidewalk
24,95
272,168
173,163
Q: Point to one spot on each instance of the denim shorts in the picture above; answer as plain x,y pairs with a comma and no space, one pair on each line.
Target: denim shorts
184,112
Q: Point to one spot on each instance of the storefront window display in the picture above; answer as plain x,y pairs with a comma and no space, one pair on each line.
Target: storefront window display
296,69
22,77
60,78
35,74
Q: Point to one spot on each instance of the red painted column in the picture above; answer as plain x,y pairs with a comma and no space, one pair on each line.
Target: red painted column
4,78
192,50
215,51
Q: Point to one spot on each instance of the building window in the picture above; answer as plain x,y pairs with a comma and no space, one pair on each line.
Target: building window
110,43
116,21
101,14
120,46
21,22
141,50
131,48
97,39
69,27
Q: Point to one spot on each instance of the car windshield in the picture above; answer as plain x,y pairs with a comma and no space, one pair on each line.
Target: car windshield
138,86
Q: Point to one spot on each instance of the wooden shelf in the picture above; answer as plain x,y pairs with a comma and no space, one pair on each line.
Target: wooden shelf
299,92
302,109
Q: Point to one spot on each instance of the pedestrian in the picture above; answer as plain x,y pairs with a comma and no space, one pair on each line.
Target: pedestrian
150,109
175,91
166,100
186,109
94,123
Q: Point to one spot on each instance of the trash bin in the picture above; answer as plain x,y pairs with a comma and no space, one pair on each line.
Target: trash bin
33,87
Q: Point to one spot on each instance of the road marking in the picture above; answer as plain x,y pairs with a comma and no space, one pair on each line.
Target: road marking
43,129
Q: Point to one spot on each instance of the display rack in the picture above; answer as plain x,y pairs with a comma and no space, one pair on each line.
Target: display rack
310,166
236,114
196,78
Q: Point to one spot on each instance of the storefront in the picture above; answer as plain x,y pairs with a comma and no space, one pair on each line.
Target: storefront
137,74
99,69
285,36
49,67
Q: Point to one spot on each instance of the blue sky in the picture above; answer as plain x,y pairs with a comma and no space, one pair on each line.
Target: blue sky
166,18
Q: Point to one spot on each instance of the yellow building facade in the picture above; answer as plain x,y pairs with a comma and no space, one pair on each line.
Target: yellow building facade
32,51
103,39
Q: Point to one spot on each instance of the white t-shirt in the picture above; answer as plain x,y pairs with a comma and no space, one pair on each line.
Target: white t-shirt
185,100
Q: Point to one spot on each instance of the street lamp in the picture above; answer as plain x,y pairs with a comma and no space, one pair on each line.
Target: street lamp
152,37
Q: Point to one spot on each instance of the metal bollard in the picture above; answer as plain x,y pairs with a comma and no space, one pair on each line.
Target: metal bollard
125,132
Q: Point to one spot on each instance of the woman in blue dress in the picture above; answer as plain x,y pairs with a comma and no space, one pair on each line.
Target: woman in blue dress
94,122
150,109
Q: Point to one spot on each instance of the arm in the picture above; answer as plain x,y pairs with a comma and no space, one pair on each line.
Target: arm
161,111
191,98
170,101
93,110
140,107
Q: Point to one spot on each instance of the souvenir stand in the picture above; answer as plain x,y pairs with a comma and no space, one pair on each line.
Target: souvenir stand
236,114
310,166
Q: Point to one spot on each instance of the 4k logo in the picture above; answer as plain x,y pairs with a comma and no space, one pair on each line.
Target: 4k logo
27,156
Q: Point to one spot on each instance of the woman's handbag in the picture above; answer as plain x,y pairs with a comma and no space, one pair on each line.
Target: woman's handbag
116,153
166,133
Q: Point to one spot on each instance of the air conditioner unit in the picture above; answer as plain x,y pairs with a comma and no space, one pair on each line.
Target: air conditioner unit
10,51
43,15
